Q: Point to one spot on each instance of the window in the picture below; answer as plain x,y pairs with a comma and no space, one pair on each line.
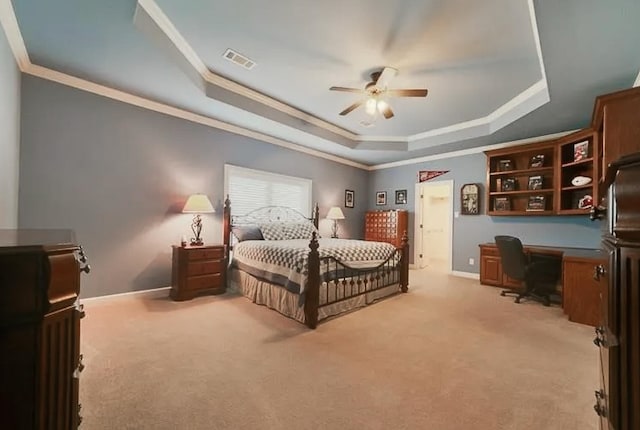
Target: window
250,189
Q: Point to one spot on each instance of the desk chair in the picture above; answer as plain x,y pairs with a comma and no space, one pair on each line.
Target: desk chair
538,273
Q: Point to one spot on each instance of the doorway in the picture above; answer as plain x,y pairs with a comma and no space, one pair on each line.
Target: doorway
434,225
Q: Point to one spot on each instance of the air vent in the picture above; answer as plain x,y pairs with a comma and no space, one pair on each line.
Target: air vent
239,59
367,124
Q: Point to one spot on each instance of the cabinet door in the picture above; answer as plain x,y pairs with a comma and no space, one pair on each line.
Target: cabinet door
582,292
621,128
490,270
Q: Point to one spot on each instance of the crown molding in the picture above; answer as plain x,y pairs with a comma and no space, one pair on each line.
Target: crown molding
527,101
92,87
10,25
469,151
9,22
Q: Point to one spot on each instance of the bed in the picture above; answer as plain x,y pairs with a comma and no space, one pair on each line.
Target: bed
277,259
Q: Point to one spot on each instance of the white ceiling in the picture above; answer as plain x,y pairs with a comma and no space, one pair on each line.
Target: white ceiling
496,70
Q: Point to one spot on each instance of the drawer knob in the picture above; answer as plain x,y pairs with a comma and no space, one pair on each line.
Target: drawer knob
80,364
598,272
86,269
80,310
599,340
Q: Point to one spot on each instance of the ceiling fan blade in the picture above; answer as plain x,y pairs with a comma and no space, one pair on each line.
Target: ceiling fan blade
350,108
347,90
387,112
407,93
385,77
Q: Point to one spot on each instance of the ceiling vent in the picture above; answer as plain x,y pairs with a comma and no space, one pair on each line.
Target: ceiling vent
239,59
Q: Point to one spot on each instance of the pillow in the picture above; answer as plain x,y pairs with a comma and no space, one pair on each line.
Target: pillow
299,230
247,232
273,231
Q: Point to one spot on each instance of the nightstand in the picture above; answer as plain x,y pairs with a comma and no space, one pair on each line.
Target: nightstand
198,269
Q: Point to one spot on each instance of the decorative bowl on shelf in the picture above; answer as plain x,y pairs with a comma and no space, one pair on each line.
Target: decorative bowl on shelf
580,180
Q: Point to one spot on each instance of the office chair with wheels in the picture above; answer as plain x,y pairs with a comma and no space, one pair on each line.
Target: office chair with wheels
539,274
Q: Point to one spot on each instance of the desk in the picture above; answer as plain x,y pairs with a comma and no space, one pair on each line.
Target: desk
580,291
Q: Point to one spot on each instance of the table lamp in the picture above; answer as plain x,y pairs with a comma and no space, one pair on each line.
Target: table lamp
335,213
197,204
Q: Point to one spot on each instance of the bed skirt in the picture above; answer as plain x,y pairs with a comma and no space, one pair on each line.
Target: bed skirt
287,303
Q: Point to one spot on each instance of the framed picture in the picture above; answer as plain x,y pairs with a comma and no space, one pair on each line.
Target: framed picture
581,151
502,204
537,161
509,184
535,182
505,165
401,197
536,203
349,199
381,198
470,199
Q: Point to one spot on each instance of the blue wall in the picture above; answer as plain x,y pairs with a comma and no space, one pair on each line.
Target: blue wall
471,230
9,135
118,175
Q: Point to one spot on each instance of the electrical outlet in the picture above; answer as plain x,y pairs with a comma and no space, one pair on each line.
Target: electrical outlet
472,262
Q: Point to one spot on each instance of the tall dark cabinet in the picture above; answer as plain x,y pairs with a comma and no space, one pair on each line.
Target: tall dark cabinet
40,359
618,336
617,402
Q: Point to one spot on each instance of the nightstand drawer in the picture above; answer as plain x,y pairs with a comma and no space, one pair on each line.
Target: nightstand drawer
204,281
205,254
205,267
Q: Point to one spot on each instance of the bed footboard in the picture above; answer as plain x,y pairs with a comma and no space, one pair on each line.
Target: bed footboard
354,282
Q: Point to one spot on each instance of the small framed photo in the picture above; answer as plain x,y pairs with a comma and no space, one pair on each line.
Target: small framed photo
505,165
401,197
535,182
536,203
509,184
581,151
381,198
470,199
537,161
501,204
349,199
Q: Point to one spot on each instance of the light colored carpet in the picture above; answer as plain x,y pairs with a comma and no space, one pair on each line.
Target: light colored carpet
451,354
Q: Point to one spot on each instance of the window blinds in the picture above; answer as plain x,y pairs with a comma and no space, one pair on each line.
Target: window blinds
250,189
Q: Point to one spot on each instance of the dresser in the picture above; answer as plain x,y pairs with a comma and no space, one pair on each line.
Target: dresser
40,361
386,226
198,269
618,335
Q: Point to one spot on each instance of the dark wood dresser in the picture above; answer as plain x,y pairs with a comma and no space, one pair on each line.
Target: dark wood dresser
198,269
618,335
40,359
386,226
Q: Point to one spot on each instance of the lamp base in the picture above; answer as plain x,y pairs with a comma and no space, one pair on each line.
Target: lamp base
334,230
196,242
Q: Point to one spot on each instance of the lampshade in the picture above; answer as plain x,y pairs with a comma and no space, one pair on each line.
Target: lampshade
335,213
198,204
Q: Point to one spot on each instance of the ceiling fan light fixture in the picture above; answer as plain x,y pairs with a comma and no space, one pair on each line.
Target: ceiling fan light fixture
382,105
371,106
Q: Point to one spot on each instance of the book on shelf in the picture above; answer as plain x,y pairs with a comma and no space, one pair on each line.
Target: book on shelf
535,182
581,151
537,161
508,184
536,203
498,184
502,204
505,165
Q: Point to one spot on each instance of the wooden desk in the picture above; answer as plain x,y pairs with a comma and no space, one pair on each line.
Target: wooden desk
580,291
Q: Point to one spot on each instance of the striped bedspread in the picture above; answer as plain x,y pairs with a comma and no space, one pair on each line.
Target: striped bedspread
284,262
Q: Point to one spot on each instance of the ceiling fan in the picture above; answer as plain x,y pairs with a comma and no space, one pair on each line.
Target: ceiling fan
377,91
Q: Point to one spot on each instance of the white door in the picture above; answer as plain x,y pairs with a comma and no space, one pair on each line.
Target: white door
433,238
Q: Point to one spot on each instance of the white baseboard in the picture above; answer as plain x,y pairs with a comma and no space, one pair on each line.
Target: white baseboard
466,274
159,292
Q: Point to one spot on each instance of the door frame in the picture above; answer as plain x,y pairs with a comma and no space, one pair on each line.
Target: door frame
417,229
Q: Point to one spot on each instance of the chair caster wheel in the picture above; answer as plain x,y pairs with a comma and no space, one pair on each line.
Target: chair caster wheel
517,300
502,293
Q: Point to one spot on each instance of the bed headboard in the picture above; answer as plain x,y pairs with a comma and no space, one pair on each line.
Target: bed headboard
263,215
